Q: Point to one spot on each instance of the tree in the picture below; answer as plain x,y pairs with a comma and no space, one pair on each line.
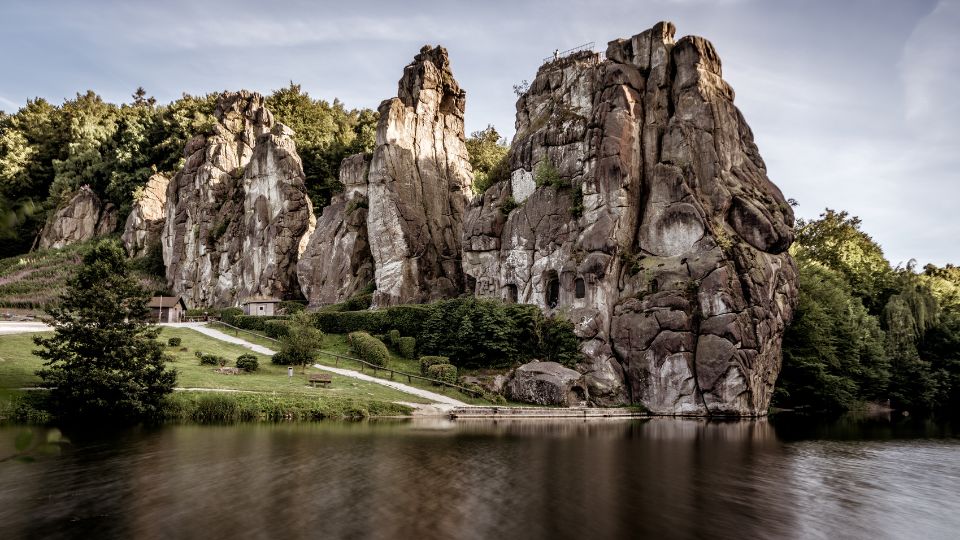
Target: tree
488,157
837,242
103,361
303,340
325,134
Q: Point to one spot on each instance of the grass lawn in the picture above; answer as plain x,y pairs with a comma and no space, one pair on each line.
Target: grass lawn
337,344
17,366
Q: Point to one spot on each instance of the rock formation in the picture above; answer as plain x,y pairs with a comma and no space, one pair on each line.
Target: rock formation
82,218
419,185
412,197
337,262
145,222
639,208
547,383
238,215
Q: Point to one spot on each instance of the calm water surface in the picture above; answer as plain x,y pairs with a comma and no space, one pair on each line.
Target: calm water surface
658,478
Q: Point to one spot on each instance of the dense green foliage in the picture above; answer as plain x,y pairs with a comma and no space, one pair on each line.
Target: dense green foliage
864,331
369,348
103,361
443,372
488,158
303,340
213,407
248,362
48,151
276,329
407,347
174,342
38,280
427,361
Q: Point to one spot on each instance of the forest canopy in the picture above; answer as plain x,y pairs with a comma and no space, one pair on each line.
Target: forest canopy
48,151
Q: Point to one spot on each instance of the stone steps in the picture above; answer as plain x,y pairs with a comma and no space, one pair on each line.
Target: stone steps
542,412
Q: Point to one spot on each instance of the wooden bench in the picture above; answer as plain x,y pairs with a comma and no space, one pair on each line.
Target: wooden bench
322,379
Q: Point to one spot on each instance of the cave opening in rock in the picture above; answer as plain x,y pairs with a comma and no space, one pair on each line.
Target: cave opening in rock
580,287
511,293
654,286
553,290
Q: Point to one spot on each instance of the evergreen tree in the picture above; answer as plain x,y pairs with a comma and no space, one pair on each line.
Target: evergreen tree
103,361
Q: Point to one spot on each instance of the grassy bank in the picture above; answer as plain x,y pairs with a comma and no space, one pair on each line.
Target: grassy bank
337,344
36,280
267,394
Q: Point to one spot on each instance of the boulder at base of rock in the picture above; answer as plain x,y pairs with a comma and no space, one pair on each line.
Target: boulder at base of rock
82,218
547,383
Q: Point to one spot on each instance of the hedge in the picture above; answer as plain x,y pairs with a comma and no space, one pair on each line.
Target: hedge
394,337
369,348
228,315
407,319
276,328
427,361
443,372
212,360
407,347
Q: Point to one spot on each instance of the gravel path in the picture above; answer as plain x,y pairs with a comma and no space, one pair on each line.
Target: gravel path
18,327
426,394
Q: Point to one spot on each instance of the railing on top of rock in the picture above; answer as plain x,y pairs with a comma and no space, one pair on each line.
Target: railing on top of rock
586,47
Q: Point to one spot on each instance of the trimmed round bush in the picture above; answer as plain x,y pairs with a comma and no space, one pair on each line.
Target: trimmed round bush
443,372
174,342
369,348
407,347
281,358
248,362
427,361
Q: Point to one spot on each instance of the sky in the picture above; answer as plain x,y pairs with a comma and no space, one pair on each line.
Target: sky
855,105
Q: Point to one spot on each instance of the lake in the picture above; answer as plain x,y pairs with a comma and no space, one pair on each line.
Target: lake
662,478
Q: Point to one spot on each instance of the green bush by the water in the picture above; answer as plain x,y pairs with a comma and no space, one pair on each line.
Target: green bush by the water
369,348
427,361
215,407
443,372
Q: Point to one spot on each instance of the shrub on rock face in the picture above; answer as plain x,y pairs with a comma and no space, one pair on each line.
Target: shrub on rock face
369,348
173,342
443,372
427,361
248,362
407,347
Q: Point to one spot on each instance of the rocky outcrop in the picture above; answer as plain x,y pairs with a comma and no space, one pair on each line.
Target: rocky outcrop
419,185
639,208
145,222
547,383
83,217
337,263
238,212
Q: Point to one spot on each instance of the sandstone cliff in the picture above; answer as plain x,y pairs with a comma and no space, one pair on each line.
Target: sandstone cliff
411,197
337,262
82,218
145,222
639,208
237,213
419,185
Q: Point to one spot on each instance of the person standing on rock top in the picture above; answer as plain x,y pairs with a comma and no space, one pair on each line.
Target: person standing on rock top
556,54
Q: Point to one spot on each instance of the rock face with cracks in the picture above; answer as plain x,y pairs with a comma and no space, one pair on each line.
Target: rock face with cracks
82,218
238,215
337,263
145,222
419,185
644,215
